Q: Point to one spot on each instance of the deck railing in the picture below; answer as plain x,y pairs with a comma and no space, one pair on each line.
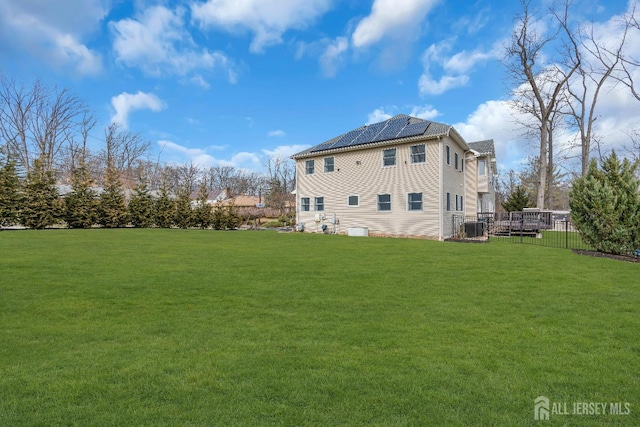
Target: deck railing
528,227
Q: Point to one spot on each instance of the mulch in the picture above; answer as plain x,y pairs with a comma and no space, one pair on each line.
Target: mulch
627,258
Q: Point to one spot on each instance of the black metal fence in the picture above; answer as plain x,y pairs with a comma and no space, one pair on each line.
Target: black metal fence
528,227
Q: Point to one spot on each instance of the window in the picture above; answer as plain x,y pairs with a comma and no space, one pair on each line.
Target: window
305,204
328,164
389,157
457,207
448,202
353,201
482,165
448,155
418,154
455,160
318,204
462,165
461,203
384,202
414,202
309,167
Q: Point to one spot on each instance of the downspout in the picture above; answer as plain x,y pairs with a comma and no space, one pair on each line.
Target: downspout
297,198
440,189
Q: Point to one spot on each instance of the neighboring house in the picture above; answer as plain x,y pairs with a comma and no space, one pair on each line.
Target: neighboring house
401,177
213,197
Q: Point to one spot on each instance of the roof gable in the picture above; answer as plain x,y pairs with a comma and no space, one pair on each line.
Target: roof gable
483,147
395,128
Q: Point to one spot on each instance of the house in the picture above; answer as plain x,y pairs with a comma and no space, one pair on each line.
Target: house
401,177
213,197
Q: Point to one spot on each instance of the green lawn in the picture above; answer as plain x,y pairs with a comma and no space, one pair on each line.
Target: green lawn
191,327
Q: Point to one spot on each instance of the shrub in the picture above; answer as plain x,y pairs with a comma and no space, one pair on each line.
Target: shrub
605,206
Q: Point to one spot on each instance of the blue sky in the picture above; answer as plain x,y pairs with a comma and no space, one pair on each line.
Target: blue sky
232,81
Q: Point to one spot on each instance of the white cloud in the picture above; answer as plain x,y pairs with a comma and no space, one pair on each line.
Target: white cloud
51,33
125,103
268,21
333,55
158,43
284,151
378,115
456,68
429,86
425,112
196,156
276,133
391,18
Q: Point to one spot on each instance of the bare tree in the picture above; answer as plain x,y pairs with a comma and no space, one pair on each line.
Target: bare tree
281,182
123,149
597,63
539,86
37,121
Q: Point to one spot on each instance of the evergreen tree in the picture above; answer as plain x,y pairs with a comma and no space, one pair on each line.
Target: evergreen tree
42,206
141,206
184,217
164,209
605,206
203,215
81,205
112,207
11,197
517,200
225,217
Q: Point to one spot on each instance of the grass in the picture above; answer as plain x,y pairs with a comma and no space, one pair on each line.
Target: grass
556,239
177,327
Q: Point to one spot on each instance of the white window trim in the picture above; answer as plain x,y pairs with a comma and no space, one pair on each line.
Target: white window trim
395,157
424,154
350,205
421,202
306,169
378,202
324,164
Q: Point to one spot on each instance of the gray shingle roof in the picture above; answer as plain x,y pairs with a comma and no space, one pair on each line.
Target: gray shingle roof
396,128
483,147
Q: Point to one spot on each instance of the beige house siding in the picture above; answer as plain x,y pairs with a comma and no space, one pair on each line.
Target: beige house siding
361,173
471,175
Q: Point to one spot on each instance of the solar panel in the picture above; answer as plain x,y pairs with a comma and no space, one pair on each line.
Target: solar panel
401,126
347,138
413,129
369,133
393,128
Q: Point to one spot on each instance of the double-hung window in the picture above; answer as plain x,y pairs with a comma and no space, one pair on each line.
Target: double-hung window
328,164
318,204
384,202
482,166
414,201
305,204
418,154
389,157
309,167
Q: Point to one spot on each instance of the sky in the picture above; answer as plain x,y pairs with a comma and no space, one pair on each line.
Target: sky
232,82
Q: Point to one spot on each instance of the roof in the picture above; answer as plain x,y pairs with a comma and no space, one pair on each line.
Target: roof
483,147
242,201
211,195
400,127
